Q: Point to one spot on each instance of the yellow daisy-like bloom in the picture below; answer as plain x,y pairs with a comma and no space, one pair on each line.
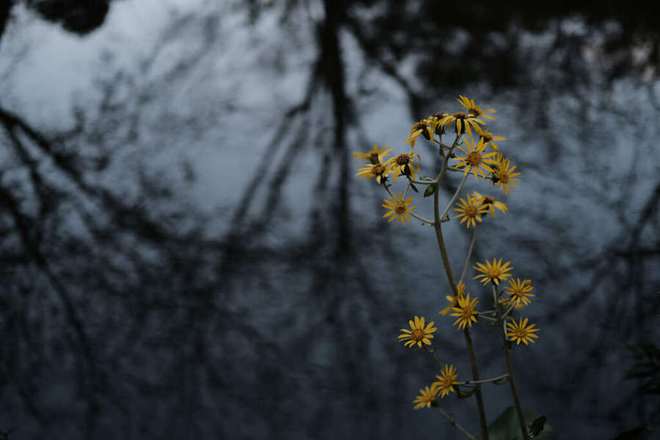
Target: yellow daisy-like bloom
521,332
494,271
504,175
471,106
375,155
470,211
445,381
426,397
465,312
452,301
406,165
520,293
377,171
463,122
490,203
490,139
425,127
476,160
398,208
419,333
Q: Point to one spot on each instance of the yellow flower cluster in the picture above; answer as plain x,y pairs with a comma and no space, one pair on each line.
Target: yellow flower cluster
480,157
475,153
444,384
471,209
379,169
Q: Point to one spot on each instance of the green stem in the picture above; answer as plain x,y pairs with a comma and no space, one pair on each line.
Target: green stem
450,278
453,199
483,423
509,369
455,424
473,239
489,380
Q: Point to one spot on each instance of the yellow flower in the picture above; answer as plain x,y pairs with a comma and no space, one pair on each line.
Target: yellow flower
490,139
465,312
490,203
475,160
398,208
521,332
446,380
426,397
452,301
419,333
470,210
375,155
376,171
520,292
425,127
471,106
406,165
493,271
504,175
463,122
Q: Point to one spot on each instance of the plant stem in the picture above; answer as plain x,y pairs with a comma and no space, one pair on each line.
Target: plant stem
489,380
422,182
509,370
453,199
450,278
455,424
473,239
483,423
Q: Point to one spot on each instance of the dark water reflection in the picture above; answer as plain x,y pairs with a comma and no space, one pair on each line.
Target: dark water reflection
130,311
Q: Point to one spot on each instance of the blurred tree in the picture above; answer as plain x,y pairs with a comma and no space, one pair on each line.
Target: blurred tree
77,16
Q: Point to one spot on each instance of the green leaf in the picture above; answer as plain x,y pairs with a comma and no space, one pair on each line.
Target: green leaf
464,394
506,426
428,192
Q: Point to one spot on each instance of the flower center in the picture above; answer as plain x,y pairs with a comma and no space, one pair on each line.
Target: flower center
400,209
377,170
402,160
418,334
373,158
504,178
474,158
471,211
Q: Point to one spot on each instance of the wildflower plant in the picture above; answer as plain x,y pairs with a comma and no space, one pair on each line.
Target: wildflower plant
498,300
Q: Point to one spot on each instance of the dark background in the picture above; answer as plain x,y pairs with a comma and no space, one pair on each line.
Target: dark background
186,253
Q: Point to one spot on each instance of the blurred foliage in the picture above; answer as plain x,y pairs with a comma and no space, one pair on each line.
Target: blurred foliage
646,367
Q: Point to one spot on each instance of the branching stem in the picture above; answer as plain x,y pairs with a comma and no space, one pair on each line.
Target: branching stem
483,423
509,368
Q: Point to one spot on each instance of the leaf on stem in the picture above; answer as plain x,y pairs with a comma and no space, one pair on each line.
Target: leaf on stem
430,190
506,426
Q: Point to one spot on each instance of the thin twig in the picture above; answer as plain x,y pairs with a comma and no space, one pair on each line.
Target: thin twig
489,380
453,199
466,264
452,421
